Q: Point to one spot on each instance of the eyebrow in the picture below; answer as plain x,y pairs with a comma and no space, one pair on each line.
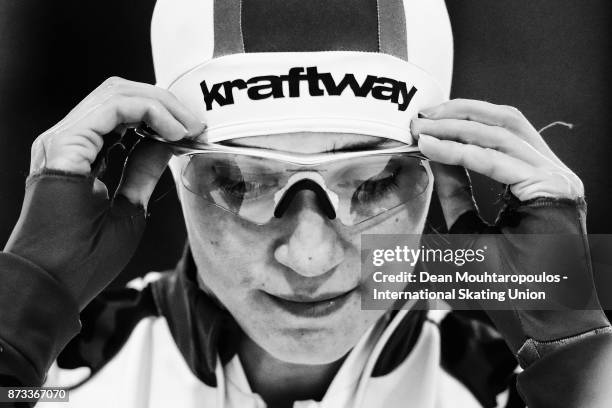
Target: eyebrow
360,146
355,146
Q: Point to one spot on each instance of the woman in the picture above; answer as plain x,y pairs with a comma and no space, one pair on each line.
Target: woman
291,134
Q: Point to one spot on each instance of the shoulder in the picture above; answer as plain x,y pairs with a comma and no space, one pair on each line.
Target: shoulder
148,367
469,353
107,323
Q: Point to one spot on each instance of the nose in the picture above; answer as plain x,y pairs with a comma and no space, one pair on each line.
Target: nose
312,247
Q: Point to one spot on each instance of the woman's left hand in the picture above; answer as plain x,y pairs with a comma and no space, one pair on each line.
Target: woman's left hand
496,141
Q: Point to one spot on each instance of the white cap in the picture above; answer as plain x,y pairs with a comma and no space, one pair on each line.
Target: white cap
255,67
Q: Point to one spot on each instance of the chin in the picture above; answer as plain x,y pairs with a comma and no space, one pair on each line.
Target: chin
312,341
309,349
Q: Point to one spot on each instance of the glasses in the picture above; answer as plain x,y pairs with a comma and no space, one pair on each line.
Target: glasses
259,185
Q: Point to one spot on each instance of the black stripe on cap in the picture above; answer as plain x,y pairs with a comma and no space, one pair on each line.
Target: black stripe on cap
228,33
310,25
392,28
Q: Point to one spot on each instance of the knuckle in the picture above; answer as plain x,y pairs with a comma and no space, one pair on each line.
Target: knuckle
453,103
154,108
461,156
115,99
115,103
46,140
512,110
576,183
165,97
489,151
113,82
37,143
489,159
458,100
161,91
507,140
38,146
512,114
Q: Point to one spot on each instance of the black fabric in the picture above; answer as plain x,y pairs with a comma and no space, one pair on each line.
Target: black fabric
477,356
514,398
70,228
520,223
111,318
37,319
540,338
108,321
313,25
575,376
401,343
198,325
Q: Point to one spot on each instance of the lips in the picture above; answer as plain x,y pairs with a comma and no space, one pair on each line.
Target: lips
304,306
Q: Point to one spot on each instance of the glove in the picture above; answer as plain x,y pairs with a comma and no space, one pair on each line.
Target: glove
68,225
71,239
561,351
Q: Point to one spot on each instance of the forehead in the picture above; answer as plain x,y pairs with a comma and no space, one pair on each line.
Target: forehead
315,142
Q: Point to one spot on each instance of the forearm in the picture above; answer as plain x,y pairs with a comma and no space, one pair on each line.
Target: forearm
576,375
38,317
565,352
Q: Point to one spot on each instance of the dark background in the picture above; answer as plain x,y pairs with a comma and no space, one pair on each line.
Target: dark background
549,58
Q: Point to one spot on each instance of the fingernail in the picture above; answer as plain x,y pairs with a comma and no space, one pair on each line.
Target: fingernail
429,112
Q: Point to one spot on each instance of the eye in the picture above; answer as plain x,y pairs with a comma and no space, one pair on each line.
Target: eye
232,183
376,188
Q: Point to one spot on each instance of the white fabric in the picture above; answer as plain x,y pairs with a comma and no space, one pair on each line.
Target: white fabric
344,113
182,38
430,39
149,372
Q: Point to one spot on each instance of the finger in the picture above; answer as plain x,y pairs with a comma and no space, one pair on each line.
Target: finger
476,133
74,152
75,146
118,110
478,111
143,169
493,115
454,190
553,183
172,104
491,163
118,86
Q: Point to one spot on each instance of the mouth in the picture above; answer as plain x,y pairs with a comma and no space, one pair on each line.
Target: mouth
303,306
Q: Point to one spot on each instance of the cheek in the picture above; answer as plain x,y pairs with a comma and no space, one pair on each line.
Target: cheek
410,218
225,249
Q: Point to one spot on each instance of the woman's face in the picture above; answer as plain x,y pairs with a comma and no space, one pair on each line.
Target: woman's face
293,285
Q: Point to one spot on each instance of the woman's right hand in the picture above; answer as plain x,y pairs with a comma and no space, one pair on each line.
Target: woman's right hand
74,143
68,226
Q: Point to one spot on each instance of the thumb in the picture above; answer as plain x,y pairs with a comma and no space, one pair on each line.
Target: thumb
144,167
454,189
